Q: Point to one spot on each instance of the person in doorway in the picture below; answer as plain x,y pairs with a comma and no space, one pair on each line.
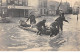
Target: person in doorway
40,25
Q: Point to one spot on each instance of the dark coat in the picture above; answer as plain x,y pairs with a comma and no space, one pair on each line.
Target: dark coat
41,24
60,22
61,19
54,28
32,19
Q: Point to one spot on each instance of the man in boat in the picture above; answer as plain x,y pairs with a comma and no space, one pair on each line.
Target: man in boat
40,26
54,29
60,20
32,19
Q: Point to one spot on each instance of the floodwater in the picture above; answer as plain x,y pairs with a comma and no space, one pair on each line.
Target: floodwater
12,38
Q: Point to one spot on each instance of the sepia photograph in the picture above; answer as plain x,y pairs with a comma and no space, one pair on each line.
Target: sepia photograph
39,25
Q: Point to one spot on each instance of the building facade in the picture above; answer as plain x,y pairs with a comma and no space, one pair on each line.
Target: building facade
52,6
43,7
0,7
18,8
75,7
64,7
3,8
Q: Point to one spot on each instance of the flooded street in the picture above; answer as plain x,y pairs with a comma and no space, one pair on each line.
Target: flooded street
12,38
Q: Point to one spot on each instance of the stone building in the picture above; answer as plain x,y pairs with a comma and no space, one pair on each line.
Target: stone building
3,7
65,6
75,7
52,6
18,8
42,7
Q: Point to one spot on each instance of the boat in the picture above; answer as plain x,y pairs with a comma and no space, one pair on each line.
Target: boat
23,25
32,28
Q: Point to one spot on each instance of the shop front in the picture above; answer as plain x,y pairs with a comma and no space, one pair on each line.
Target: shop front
19,11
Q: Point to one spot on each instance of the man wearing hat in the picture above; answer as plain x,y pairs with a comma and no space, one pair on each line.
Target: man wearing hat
60,20
40,25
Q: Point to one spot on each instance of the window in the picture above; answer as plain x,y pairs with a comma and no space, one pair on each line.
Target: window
12,2
8,1
0,2
3,2
20,2
16,2
25,2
